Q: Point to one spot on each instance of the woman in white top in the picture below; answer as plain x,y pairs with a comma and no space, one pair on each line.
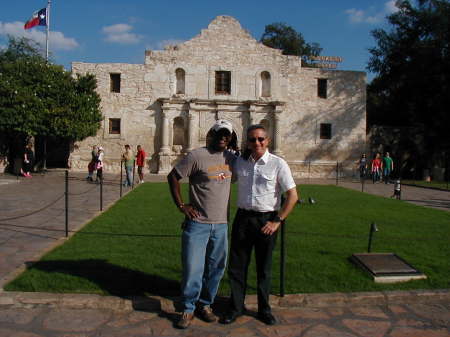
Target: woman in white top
99,165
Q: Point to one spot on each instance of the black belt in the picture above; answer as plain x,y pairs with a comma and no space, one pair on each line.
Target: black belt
250,212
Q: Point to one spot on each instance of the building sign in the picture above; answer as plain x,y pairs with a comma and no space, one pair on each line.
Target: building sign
328,62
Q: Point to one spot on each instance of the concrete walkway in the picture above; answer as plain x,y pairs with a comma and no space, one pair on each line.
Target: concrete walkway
417,195
25,238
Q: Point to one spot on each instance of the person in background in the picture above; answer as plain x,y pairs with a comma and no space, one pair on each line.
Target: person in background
91,165
362,167
28,159
376,168
140,162
99,164
388,167
128,159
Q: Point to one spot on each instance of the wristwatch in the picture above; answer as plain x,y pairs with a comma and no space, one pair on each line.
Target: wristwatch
277,219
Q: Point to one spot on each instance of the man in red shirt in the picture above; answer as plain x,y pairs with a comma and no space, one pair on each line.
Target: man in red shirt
140,162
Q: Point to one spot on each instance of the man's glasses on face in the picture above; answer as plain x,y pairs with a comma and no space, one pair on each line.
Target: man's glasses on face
254,139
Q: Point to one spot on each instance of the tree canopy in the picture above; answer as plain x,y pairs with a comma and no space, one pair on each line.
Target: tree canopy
38,98
282,36
412,64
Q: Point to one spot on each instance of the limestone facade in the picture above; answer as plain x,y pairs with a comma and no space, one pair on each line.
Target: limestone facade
168,104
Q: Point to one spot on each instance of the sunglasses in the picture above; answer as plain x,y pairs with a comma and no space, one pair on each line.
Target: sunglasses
254,139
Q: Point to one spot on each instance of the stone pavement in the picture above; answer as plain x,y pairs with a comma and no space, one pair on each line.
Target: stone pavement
390,314
393,314
24,238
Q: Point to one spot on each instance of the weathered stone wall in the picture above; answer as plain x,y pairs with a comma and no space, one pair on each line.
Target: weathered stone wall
224,45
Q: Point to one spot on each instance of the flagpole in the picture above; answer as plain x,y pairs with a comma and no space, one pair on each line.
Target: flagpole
48,29
47,17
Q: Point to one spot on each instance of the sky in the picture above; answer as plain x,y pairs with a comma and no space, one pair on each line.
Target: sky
104,31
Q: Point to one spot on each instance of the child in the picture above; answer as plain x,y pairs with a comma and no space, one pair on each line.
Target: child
397,190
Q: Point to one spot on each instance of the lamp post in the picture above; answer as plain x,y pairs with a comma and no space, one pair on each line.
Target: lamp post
373,228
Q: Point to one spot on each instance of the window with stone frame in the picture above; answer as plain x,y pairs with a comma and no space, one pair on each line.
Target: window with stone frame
265,84
325,131
181,77
322,84
114,82
114,126
223,82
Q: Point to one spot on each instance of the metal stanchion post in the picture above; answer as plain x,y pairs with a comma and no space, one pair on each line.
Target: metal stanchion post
337,173
309,169
121,175
373,228
67,202
283,259
134,172
362,183
447,173
101,194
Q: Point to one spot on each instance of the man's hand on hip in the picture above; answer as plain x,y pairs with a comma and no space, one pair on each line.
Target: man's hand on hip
190,211
270,227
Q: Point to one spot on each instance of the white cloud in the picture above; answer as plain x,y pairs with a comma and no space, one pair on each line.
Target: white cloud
120,33
370,16
355,15
165,43
391,7
57,40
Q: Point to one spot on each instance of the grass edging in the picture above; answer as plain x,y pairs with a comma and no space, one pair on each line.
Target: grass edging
158,303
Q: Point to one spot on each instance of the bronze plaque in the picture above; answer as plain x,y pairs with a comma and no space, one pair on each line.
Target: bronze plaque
384,264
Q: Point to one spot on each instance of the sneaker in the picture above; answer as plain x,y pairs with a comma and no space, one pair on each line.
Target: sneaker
206,314
142,181
185,320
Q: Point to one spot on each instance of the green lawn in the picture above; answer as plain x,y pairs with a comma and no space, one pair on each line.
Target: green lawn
134,247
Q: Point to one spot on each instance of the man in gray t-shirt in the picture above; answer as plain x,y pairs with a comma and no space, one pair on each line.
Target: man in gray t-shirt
204,239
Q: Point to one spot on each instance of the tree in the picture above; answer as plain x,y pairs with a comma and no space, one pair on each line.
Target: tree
413,74
282,36
38,98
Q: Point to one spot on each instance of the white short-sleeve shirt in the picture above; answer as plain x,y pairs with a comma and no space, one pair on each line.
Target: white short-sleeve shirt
261,183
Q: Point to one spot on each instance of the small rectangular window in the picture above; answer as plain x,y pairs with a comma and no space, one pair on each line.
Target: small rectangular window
115,82
322,87
325,131
223,82
114,126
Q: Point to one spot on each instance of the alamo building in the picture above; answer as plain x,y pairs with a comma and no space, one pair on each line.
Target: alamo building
315,117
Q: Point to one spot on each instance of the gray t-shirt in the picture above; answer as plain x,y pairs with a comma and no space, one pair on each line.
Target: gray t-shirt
209,182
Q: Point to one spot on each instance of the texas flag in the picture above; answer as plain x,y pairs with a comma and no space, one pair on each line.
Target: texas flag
39,18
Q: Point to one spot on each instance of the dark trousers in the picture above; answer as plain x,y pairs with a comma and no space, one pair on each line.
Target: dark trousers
245,235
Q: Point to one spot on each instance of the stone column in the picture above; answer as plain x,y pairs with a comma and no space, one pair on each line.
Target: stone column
164,154
251,116
277,133
165,149
191,132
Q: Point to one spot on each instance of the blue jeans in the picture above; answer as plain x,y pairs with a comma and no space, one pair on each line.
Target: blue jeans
129,173
204,257
386,175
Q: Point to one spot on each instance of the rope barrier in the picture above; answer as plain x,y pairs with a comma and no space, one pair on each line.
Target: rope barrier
363,237
85,192
34,212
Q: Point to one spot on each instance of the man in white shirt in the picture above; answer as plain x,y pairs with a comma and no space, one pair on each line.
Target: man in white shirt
262,178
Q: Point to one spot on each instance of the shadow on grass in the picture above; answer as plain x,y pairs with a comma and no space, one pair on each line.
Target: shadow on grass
112,279
125,283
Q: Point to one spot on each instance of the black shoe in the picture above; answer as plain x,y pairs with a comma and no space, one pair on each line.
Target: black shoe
230,317
267,318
